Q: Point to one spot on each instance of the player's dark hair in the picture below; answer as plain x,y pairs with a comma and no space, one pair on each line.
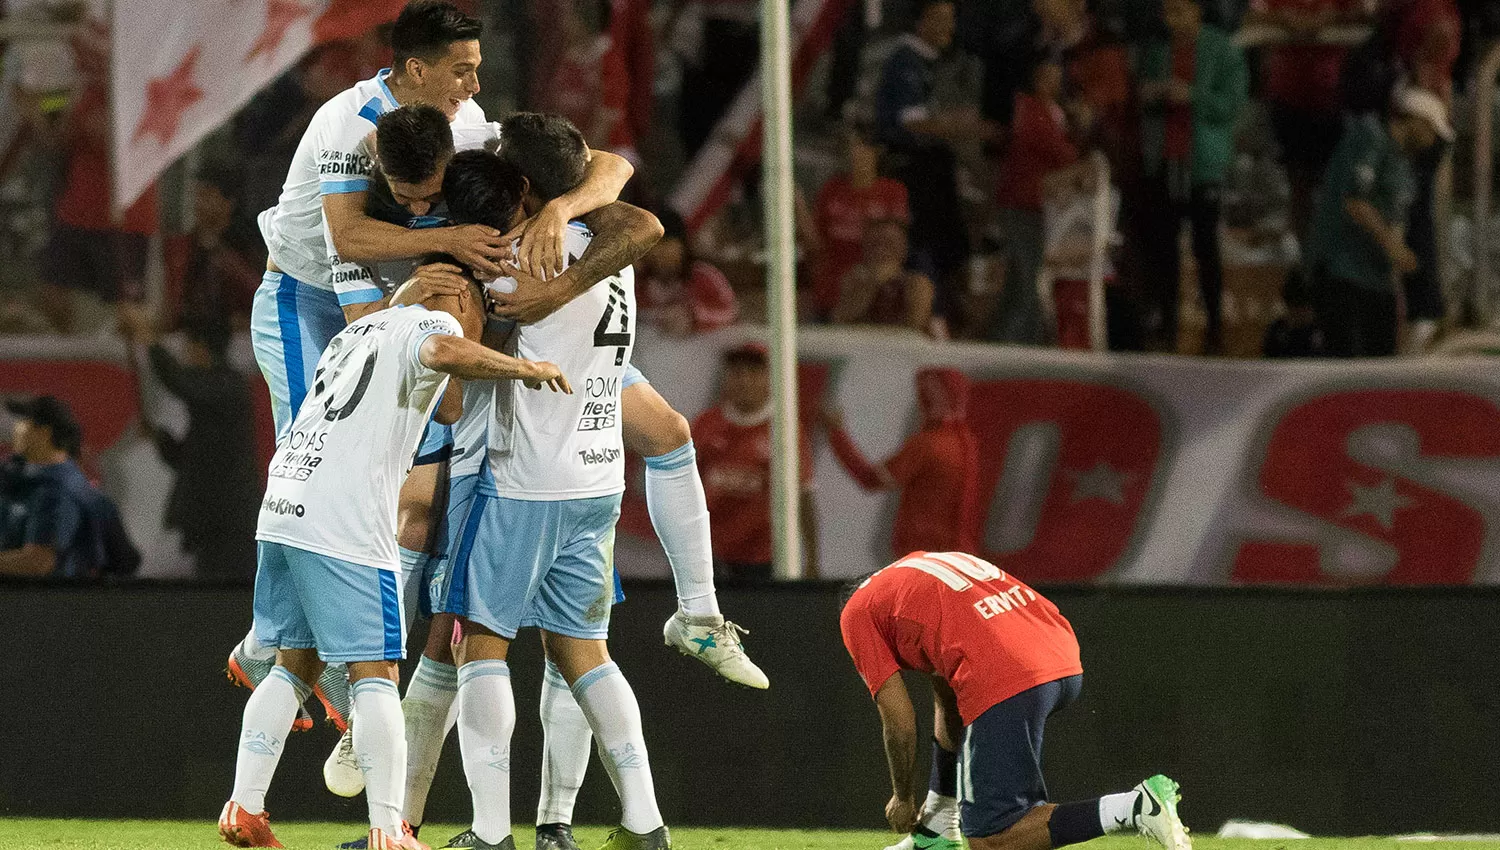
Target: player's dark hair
548,150
413,142
482,188
425,28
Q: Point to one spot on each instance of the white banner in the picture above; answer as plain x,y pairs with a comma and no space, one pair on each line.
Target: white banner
1167,469
180,69
1141,469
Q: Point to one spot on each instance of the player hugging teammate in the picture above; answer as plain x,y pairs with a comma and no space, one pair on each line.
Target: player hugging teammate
420,469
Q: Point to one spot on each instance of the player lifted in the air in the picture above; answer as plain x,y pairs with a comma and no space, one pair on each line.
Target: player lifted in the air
545,519
1002,659
327,587
318,229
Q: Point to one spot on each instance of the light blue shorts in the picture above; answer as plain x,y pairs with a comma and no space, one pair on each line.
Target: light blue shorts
548,565
437,443
447,577
348,611
632,376
291,322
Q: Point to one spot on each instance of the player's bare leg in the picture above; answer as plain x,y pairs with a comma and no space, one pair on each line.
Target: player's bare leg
486,720
614,715
679,513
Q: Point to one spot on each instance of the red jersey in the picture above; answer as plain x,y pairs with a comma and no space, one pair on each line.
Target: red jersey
1304,76
842,212
986,633
735,461
1039,145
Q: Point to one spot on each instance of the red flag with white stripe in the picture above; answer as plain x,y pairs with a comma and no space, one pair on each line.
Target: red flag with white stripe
179,70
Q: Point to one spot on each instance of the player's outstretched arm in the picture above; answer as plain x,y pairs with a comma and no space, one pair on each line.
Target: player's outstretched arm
358,238
622,234
899,721
541,250
468,360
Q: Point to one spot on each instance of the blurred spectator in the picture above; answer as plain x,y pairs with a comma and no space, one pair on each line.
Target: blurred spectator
589,84
919,142
221,268
719,44
679,292
1192,87
734,456
1427,41
1039,145
936,471
216,497
845,204
1069,224
879,290
64,526
88,251
1296,334
1300,84
1358,227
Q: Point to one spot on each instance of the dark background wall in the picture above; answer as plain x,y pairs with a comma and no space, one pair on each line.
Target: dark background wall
1340,712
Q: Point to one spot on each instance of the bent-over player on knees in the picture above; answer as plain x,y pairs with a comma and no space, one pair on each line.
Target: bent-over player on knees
328,587
1002,659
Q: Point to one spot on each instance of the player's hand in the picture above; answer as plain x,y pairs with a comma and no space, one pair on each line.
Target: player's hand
478,247
534,299
541,250
901,814
546,374
431,280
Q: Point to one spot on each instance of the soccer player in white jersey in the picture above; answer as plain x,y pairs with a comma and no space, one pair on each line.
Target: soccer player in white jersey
328,588
543,552
319,223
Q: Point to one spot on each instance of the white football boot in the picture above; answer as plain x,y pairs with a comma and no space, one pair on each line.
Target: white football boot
1156,813
341,771
716,642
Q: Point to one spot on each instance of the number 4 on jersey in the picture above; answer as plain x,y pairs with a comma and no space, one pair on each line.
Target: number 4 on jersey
604,337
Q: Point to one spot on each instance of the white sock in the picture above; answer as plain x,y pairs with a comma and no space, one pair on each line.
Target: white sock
252,648
566,742
615,716
486,719
679,513
380,747
430,697
940,814
268,720
1117,811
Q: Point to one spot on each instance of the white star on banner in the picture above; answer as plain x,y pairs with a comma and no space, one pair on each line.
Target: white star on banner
1381,502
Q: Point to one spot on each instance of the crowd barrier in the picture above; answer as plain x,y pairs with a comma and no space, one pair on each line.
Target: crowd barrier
1338,712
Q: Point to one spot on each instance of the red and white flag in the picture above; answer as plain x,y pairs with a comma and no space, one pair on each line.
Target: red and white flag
180,69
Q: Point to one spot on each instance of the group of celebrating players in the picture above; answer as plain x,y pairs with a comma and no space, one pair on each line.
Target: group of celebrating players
446,326
456,448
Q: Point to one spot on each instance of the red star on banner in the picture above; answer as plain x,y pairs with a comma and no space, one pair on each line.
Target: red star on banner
280,15
167,97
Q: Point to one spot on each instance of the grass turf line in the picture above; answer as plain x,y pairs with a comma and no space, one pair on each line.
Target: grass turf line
38,834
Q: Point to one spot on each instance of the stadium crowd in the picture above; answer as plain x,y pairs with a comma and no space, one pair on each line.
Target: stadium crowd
950,159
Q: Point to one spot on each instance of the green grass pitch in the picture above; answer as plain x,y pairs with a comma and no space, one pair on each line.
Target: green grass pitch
28,834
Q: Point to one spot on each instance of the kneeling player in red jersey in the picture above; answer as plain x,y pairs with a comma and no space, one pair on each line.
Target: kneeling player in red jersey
1002,659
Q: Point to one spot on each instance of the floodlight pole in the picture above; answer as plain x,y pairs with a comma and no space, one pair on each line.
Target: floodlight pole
781,285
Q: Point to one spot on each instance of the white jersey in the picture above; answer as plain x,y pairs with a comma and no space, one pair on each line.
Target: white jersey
546,446
335,477
332,158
